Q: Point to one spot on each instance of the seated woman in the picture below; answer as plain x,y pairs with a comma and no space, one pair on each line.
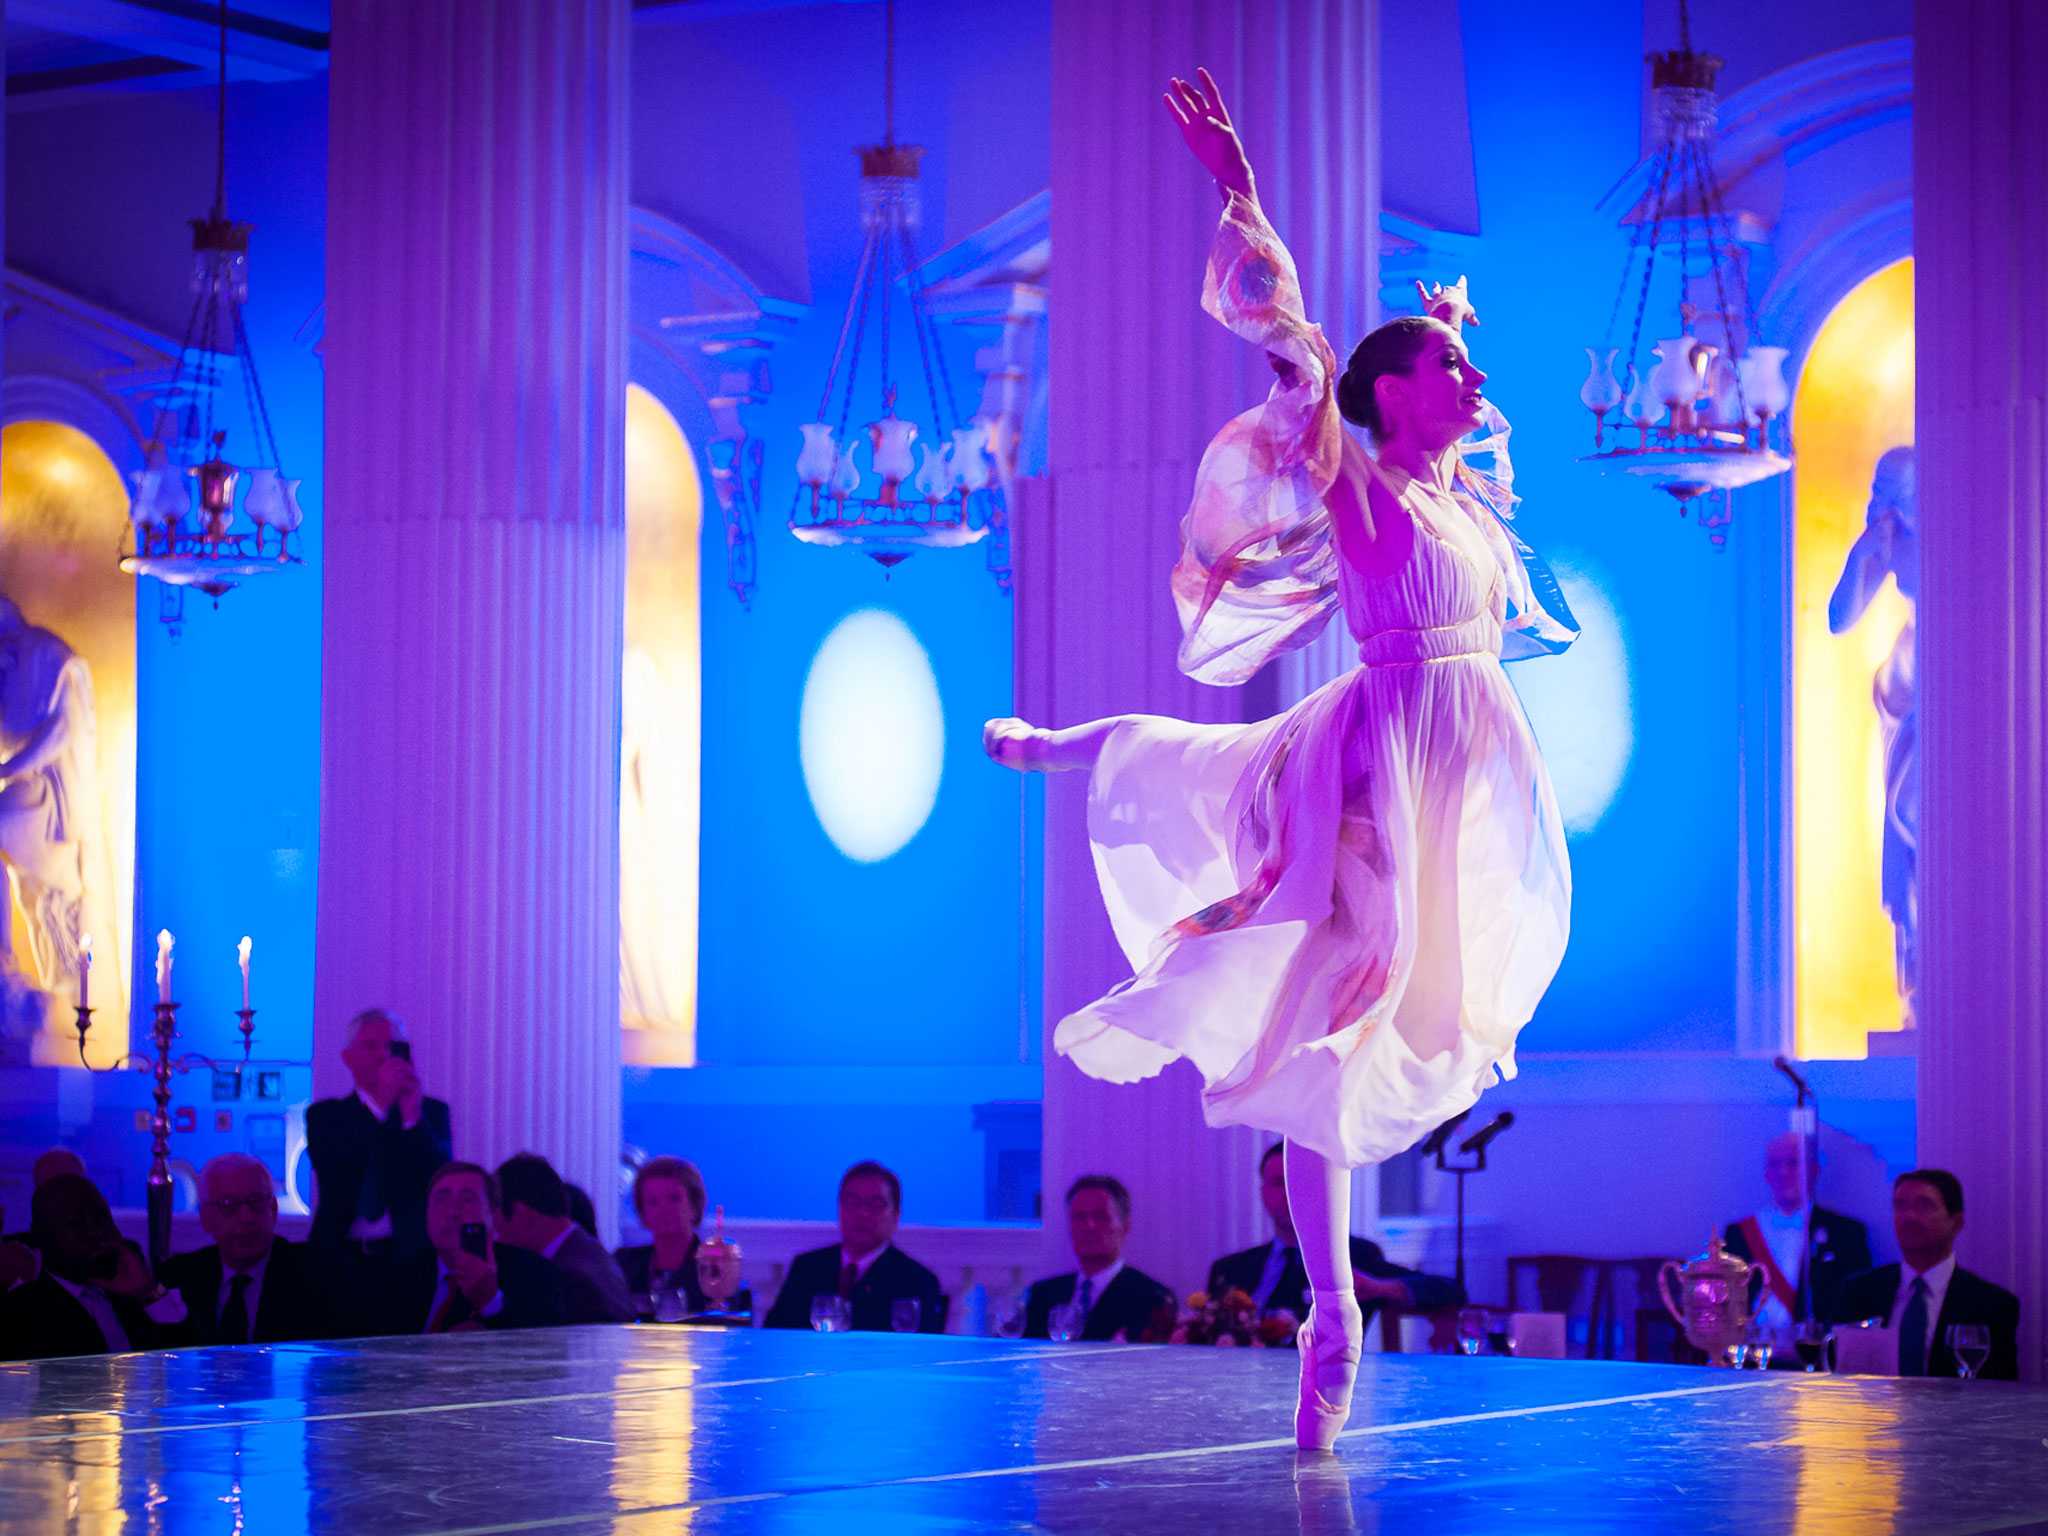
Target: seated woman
668,1194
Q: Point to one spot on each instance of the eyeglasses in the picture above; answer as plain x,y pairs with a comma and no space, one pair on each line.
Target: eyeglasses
236,1205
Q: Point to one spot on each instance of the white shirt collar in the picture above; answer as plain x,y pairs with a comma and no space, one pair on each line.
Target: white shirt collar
1774,1217
376,1110
254,1271
861,1262
1100,1282
554,1245
1937,1279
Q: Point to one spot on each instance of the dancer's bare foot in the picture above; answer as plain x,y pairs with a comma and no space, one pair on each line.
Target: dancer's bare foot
1020,745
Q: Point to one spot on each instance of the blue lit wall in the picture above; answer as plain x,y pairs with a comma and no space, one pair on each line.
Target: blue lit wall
847,1009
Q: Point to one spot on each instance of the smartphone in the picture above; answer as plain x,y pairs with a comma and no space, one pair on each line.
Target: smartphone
476,1239
402,1049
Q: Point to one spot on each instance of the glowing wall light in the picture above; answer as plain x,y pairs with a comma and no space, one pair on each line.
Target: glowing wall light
1855,400
872,735
1580,704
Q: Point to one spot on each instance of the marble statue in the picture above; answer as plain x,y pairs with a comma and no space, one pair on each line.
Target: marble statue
49,813
1890,546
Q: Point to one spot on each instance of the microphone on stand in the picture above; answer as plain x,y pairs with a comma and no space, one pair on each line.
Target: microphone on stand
1477,1142
1434,1143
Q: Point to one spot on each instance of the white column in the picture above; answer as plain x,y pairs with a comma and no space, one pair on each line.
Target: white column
474,562
1980,237
1142,379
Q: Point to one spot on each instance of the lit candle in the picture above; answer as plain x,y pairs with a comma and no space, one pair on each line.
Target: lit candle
85,970
242,952
163,965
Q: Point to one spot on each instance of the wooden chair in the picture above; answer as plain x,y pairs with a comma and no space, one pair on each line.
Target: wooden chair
1568,1283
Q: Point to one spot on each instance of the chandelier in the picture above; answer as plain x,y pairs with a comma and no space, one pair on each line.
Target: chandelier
938,493
204,542
1709,414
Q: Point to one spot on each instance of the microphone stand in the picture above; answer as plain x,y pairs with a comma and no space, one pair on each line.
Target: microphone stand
1462,1171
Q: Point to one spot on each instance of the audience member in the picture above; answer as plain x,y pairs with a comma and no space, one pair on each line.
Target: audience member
668,1196
249,1285
1777,1238
1930,1293
90,1297
864,1267
534,1204
53,1163
467,1279
1115,1300
1273,1276
582,1209
374,1150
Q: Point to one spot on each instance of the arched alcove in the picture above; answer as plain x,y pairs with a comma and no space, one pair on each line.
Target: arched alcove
659,740
1855,401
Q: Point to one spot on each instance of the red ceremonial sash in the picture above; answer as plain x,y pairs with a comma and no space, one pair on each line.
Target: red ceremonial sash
1774,1278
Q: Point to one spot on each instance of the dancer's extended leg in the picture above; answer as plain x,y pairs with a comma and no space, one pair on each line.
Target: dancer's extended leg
1332,1337
1032,749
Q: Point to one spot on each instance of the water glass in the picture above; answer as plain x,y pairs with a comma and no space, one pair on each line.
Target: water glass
1065,1322
1472,1330
831,1314
1972,1345
1762,1343
905,1313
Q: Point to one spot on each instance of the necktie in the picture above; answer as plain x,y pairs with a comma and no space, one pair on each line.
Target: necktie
1087,1295
453,1309
234,1312
1913,1331
1270,1276
849,1277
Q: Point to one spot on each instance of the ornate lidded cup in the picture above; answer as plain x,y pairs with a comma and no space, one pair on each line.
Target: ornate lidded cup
1713,1299
718,1266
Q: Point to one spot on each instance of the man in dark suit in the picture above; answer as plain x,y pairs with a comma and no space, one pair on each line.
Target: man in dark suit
249,1286
535,1216
1113,1300
81,1303
1780,1236
374,1150
1273,1276
864,1267
1930,1293
458,1286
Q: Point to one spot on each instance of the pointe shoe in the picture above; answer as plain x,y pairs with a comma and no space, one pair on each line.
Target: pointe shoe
1329,1369
1015,744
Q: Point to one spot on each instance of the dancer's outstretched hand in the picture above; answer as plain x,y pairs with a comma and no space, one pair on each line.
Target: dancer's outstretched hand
1450,305
1204,123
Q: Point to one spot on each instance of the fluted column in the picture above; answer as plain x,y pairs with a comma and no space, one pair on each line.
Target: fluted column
1141,379
1980,238
474,561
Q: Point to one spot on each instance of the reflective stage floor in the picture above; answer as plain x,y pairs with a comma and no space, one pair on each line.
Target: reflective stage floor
655,1430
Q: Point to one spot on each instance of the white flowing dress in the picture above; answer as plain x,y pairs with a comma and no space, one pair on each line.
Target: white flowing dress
1342,915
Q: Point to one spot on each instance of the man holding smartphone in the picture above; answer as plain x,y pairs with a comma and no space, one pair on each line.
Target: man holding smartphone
467,1281
374,1150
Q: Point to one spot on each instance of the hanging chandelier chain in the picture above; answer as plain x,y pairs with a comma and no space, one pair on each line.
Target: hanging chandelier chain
1635,339
259,408
1684,26
220,133
1635,241
938,385
1723,228
1704,172
888,71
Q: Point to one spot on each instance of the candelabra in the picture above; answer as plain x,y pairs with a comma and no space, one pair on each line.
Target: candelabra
160,1064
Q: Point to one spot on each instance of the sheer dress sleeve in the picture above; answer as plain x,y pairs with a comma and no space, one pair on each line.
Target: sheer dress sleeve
1257,574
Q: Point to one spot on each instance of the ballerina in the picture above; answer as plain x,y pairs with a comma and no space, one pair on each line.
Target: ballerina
1343,915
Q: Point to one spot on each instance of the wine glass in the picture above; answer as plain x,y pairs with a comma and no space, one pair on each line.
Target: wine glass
905,1313
1810,1341
1472,1330
831,1314
1762,1341
1065,1322
1972,1345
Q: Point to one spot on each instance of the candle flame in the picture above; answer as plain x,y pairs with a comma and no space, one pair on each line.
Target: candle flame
242,951
163,942
85,947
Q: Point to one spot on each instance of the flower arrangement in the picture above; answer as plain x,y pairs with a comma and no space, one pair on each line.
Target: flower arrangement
1233,1320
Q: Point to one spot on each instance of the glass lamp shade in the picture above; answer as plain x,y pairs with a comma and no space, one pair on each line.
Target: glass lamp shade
845,475
1642,406
970,457
1680,372
934,481
1601,392
163,497
889,443
815,460
1764,388
272,501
